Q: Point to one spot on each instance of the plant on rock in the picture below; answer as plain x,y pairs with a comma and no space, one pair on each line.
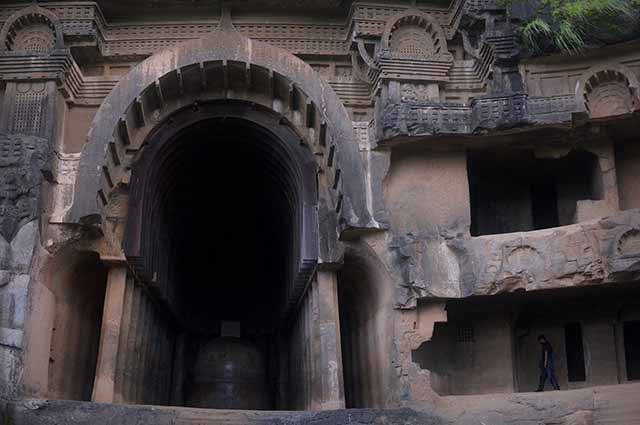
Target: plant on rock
572,25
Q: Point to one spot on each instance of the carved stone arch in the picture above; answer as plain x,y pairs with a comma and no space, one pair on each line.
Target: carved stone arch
414,34
225,66
608,90
160,163
33,29
629,243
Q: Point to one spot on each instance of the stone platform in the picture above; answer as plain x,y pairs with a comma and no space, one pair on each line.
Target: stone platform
606,405
41,412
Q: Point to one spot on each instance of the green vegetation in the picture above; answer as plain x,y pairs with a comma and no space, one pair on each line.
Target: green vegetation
572,25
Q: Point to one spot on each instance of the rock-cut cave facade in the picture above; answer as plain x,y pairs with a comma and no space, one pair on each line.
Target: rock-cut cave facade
289,209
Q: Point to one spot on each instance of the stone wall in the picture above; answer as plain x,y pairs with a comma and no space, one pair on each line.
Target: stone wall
312,369
365,296
427,192
487,346
469,355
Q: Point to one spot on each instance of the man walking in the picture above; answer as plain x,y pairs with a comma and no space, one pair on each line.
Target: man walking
546,365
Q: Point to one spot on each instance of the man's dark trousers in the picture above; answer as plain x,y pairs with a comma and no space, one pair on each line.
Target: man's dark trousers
548,372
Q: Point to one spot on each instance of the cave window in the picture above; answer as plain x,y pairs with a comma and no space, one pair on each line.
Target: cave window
575,352
632,349
465,333
512,190
544,205
627,153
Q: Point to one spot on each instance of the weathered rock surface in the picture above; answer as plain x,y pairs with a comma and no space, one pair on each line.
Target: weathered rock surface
602,251
40,412
594,252
598,405
23,160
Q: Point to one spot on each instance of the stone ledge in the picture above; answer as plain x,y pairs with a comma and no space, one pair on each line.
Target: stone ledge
40,412
586,406
593,252
456,266
491,112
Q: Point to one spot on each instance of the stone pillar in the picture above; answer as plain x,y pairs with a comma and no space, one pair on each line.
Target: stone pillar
331,383
104,384
603,147
178,390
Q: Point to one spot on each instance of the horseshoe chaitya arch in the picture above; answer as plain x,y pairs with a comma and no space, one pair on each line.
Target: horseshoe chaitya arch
30,15
225,65
607,89
432,32
167,158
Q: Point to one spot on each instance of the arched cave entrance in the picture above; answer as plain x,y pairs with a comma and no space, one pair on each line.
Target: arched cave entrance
235,170
366,329
75,303
219,214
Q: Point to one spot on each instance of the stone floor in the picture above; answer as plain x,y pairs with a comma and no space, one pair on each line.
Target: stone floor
605,405
610,405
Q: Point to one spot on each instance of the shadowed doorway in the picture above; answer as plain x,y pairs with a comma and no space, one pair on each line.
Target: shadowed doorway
215,232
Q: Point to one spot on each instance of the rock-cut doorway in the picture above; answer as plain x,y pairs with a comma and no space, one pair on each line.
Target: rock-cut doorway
220,223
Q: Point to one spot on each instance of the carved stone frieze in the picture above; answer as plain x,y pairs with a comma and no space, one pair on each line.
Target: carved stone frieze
82,23
595,252
28,108
601,251
417,117
604,87
32,29
430,118
362,129
412,92
552,108
22,160
38,38
499,111
14,280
